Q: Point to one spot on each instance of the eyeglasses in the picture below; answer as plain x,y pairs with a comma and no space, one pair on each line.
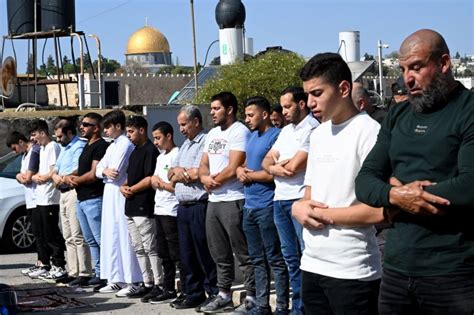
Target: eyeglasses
86,124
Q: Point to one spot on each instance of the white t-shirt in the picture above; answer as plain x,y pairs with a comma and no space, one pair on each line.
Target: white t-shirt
218,145
47,194
30,197
165,201
335,158
293,138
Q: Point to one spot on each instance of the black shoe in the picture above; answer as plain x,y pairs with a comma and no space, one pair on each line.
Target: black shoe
164,297
187,303
204,303
99,286
181,297
155,291
141,292
96,281
79,282
65,280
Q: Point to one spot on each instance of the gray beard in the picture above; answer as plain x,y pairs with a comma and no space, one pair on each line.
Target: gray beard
433,98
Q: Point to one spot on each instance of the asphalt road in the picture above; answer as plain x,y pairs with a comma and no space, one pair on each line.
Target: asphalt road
97,303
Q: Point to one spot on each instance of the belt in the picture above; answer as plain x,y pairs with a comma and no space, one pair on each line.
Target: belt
194,202
64,188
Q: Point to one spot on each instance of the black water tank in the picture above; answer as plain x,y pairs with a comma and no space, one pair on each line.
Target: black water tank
230,14
58,15
21,16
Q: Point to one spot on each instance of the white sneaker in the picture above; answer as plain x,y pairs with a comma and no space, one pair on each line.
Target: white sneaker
26,271
129,289
110,288
54,274
38,272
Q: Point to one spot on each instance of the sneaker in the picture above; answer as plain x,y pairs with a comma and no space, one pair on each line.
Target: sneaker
129,289
110,288
38,272
281,311
79,282
141,292
101,285
257,310
187,303
219,304
96,281
65,280
206,301
181,297
164,297
26,271
155,291
54,274
246,307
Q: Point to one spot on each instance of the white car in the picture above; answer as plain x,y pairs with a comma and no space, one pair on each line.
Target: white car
15,227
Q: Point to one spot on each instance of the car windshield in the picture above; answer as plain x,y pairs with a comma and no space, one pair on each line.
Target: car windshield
10,165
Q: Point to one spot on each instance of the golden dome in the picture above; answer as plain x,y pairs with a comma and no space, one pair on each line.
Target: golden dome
147,40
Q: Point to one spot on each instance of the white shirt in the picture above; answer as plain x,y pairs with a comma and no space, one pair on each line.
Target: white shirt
335,158
47,194
293,138
165,201
218,145
116,157
30,197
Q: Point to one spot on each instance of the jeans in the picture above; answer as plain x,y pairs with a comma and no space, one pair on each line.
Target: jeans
450,294
89,214
326,295
290,232
196,260
265,253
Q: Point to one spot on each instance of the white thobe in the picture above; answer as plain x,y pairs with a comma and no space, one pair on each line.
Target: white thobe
118,261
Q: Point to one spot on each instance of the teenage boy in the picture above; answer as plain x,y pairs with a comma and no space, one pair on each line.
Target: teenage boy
139,206
90,189
286,161
46,216
19,144
166,206
258,225
341,261
224,151
118,261
77,250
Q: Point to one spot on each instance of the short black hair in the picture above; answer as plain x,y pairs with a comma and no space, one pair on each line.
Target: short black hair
164,127
277,109
137,121
329,66
114,117
227,100
14,137
38,125
261,102
297,93
66,125
94,116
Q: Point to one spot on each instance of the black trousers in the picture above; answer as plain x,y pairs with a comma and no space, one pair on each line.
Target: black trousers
168,250
325,295
50,241
450,294
196,260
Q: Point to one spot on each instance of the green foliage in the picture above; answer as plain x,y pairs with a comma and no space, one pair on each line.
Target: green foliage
266,76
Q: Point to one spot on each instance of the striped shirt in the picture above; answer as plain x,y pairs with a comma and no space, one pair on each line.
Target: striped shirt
189,156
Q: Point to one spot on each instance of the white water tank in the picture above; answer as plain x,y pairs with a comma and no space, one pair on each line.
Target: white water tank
349,45
231,45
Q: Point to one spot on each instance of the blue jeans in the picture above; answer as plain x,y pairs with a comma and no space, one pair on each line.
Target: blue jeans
265,253
290,232
89,214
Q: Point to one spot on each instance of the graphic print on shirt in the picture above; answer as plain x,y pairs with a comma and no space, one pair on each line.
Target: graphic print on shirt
217,146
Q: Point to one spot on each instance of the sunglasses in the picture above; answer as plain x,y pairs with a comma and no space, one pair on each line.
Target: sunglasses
86,124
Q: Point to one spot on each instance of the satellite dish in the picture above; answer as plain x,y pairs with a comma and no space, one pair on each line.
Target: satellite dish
7,77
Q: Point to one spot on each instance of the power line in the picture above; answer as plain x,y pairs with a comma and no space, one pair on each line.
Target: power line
105,11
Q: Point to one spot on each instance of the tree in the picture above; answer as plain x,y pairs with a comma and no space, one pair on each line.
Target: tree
266,76
394,54
457,56
29,65
468,73
368,57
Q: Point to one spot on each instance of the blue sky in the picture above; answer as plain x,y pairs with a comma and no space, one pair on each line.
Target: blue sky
304,26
